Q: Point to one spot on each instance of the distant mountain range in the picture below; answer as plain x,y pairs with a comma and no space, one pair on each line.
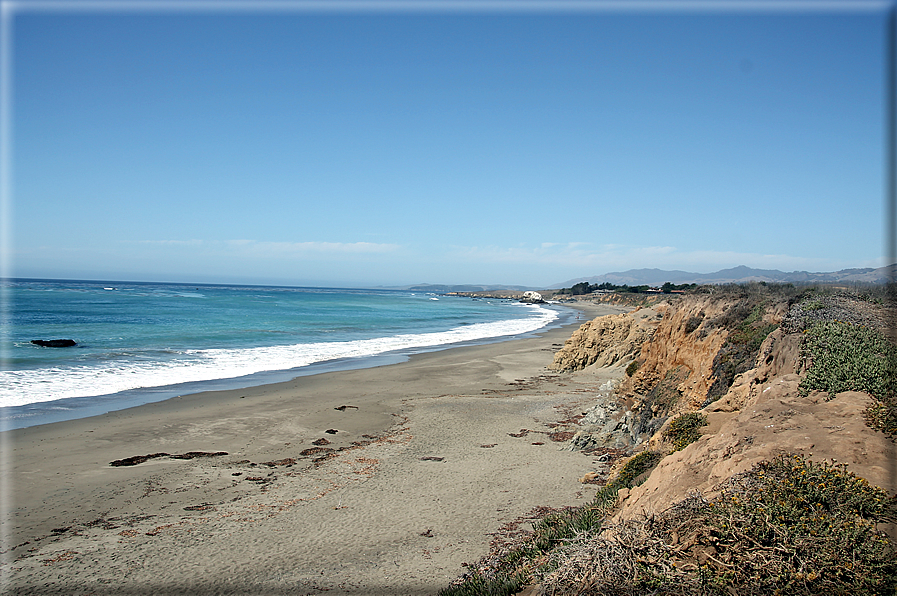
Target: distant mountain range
740,274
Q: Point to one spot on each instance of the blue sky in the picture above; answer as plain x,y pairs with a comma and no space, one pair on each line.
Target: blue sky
389,147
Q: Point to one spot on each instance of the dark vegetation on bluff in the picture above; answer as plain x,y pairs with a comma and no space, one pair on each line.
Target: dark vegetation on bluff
585,287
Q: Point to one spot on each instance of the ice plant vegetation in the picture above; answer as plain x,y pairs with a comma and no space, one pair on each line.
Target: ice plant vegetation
844,356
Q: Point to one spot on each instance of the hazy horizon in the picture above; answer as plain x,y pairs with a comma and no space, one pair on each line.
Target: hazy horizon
557,284
519,144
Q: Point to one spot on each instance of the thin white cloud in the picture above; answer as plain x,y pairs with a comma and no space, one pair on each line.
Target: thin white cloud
193,242
323,247
256,247
592,259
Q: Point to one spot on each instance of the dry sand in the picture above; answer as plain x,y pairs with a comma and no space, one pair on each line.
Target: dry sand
422,468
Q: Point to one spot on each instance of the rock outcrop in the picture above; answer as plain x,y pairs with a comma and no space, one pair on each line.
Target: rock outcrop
682,349
606,341
530,297
54,343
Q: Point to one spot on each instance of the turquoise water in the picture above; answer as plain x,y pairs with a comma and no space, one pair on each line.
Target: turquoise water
140,342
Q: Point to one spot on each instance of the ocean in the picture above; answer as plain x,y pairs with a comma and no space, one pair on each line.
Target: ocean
144,342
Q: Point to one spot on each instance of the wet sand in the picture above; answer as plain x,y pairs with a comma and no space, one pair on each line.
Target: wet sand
385,480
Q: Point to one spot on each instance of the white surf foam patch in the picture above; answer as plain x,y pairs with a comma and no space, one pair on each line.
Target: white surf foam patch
18,388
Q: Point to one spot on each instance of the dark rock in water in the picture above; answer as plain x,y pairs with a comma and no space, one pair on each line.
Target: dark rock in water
55,343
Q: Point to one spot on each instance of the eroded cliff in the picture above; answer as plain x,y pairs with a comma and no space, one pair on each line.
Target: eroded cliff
606,341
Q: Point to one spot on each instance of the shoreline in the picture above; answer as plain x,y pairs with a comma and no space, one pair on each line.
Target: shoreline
428,456
67,409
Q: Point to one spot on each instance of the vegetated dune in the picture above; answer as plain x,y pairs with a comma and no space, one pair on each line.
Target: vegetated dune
722,402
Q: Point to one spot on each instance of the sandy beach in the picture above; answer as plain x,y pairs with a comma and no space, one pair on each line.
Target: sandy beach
386,480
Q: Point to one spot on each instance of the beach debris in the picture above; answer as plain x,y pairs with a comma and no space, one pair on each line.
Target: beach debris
139,459
104,523
195,454
321,441
136,459
428,533
331,431
200,507
432,458
538,443
155,531
523,432
54,343
261,479
66,556
489,446
343,408
314,451
288,461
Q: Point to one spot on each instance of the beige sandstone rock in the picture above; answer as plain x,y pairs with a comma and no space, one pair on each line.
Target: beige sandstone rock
605,341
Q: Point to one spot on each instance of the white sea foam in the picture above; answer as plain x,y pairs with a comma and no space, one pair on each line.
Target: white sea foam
23,387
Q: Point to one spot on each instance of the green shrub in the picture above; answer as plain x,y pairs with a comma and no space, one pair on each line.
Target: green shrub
819,522
694,322
788,526
739,354
633,366
813,305
848,357
685,429
635,467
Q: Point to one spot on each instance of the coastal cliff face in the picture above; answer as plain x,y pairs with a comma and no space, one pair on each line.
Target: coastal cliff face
767,412
735,359
761,416
681,351
605,341
680,354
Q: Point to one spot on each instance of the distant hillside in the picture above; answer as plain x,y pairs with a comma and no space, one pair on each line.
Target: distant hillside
740,274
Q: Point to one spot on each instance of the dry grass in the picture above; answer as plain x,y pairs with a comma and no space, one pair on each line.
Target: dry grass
789,526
